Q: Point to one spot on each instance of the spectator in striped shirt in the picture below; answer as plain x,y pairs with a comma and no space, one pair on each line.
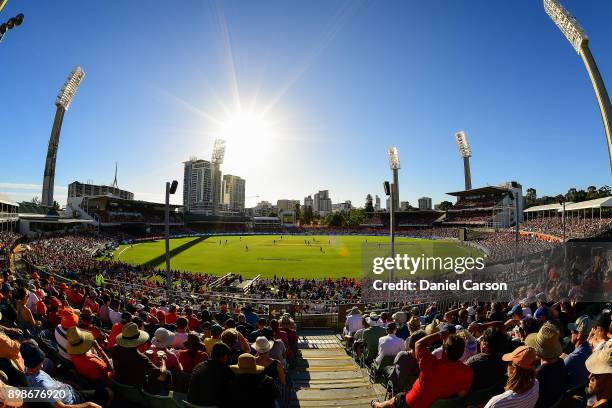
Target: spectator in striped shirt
522,386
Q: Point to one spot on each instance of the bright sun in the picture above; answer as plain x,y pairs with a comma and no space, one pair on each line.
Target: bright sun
246,127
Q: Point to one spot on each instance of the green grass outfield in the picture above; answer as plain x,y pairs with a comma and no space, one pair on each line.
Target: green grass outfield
289,257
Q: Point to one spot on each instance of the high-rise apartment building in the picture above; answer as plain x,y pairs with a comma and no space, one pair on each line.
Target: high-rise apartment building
425,203
198,187
233,192
286,205
322,203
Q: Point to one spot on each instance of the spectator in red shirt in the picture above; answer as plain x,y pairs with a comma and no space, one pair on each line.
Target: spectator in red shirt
88,358
74,295
193,354
90,302
86,323
117,328
433,383
171,316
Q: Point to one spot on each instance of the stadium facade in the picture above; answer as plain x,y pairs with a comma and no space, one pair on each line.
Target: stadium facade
77,189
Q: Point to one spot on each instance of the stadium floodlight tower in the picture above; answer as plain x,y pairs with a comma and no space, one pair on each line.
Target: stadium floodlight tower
466,152
170,189
393,192
64,98
579,40
218,155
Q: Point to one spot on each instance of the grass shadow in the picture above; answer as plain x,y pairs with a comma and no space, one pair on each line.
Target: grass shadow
175,251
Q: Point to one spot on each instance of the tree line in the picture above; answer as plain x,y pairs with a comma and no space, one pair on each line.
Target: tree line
573,195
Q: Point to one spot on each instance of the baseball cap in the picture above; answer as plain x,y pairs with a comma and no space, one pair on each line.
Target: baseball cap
69,318
517,309
541,312
582,325
447,328
523,356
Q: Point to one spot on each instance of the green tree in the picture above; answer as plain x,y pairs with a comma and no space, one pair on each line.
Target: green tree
531,197
308,216
298,212
369,207
445,205
334,219
355,217
604,191
592,193
571,194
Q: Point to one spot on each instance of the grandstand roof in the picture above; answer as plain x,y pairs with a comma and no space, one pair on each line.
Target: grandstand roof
545,207
36,209
130,202
481,190
596,203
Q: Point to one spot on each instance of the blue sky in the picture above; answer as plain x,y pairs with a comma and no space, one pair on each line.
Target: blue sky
340,82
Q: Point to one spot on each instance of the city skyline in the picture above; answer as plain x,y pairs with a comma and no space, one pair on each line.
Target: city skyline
321,103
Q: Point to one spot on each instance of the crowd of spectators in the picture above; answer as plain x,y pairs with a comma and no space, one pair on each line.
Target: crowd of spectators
7,238
523,353
92,343
574,227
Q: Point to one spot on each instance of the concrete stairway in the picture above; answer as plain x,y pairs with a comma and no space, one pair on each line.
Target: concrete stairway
325,376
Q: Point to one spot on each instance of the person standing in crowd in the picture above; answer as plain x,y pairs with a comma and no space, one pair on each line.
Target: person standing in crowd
389,345
181,333
88,358
162,344
70,398
256,388
132,367
371,335
405,368
578,374
211,380
353,321
522,388
599,365
552,373
433,382
273,368
488,367
599,335
69,320
193,354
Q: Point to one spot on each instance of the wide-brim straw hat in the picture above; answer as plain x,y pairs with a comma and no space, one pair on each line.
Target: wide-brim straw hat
162,338
79,341
262,345
600,362
374,320
353,311
131,337
247,365
414,324
546,341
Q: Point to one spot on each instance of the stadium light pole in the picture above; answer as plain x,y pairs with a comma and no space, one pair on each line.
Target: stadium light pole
394,164
514,197
64,98
170,189
466,152
577,37
389,193
393,191
11,23
562,203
